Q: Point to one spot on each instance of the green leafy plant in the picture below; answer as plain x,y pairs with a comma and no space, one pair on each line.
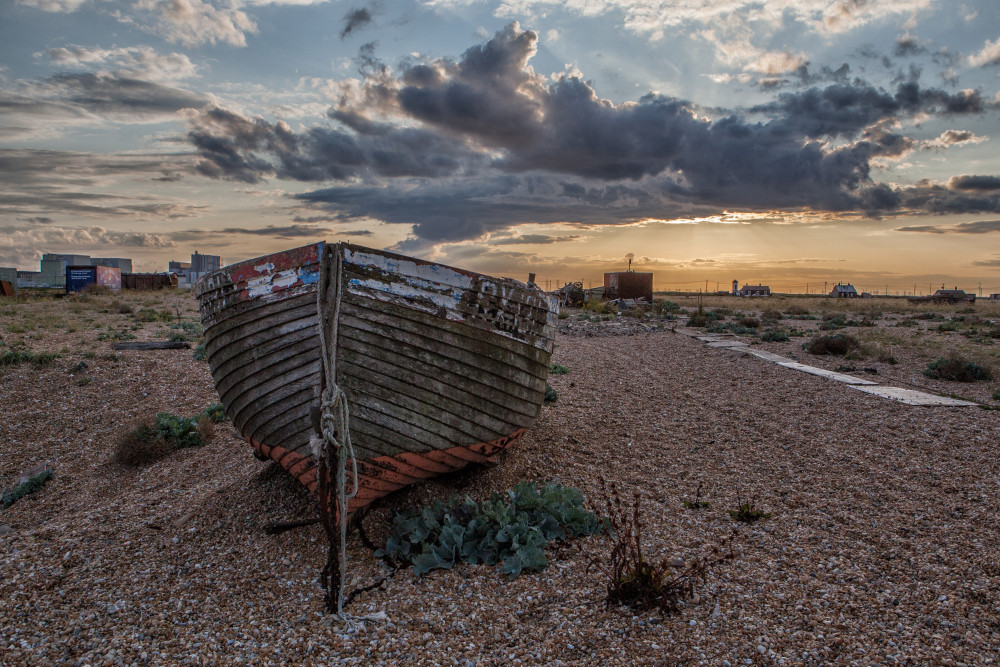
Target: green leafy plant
636,580
996,395
748,512
558,369
200,353
512,529
215,412
697,503
550,395
33,484
957,369
152,440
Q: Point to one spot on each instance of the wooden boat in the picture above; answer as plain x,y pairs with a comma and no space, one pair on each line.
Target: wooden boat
440,367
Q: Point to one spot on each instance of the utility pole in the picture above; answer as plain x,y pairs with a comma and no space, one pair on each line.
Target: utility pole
706,286
824,288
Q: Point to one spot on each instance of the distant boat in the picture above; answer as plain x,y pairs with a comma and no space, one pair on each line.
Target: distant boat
440,367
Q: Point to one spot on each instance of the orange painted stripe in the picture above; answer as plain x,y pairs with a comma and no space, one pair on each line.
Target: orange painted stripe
382,475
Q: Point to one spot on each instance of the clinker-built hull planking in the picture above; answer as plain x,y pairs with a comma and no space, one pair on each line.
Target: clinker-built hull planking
441,367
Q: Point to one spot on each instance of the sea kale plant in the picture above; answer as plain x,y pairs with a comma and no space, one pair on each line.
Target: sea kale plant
512,529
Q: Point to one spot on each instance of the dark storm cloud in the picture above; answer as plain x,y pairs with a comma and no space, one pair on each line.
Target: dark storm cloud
975,183
236,147
908,46
461,125
356,18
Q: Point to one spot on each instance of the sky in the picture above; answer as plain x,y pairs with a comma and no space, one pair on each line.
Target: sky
794,143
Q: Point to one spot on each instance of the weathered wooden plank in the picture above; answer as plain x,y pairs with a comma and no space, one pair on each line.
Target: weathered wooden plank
451,372
464,401
299,370
437,413
252,316
256,364
268,327
286,403
423,348
501,349
152,345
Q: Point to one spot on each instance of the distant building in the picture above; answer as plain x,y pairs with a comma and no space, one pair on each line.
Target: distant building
124,264
994,297
205,263
68,259
953,295
755,290
8,274
188,273
844,291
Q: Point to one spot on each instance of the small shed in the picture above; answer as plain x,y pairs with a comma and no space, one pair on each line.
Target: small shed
78,278
755,290
7,288
841,291
994,297
628,285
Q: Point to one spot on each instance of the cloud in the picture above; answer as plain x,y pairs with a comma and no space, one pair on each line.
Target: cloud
195,22
140,62
54,5
988,55
907,45
950,138
978,227
38,184
987,262
355,19
975,183
534,239
459,148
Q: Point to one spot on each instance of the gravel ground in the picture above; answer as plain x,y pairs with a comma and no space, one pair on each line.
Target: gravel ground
882,547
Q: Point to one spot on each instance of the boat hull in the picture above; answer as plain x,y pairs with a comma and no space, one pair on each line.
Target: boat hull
440,367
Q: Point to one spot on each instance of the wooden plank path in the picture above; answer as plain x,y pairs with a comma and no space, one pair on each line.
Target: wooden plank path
907,396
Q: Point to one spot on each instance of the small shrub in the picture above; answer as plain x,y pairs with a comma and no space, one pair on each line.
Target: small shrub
562,315
550,395
747,512
178,338
831,322
512,529
731,327
558,369
34,483
771,315
125,309
15,357
200,353
151,440
636,580
663,306
996,395
838,344
957,369
796,310
774,336
749,322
